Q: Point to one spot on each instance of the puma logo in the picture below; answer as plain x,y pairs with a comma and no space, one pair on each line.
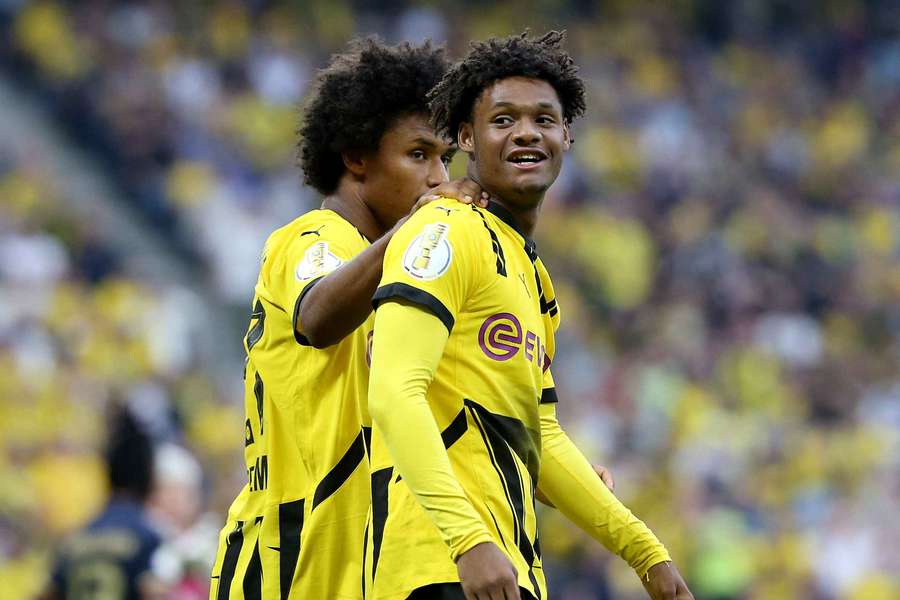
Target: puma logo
313,231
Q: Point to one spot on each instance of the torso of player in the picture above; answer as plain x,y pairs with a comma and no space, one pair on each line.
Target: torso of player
485,394
296,528
502,341
304,406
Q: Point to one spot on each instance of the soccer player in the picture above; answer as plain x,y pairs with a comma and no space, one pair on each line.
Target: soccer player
297,528
112,557
461,393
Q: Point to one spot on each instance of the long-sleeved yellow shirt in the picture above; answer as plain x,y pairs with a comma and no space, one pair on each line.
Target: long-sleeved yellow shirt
457,440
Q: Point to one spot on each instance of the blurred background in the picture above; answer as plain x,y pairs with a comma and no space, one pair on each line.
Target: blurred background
724,238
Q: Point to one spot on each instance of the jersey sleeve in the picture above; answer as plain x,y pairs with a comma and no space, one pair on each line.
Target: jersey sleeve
300,263
569,481
403,366
433,260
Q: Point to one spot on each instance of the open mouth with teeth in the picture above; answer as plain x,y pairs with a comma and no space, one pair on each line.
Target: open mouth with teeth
526,159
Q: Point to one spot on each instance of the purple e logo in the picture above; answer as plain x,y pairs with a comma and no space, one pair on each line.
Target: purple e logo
500,336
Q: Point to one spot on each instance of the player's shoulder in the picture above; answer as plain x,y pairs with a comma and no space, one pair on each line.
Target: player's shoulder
312,226
455,220
316,227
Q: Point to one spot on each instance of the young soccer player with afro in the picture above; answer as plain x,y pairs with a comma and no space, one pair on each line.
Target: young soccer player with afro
461,394
367,145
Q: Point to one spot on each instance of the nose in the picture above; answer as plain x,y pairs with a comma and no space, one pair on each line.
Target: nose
526,133
437,173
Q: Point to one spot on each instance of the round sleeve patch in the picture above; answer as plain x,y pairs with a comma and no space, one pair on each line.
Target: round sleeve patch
317,261
430,253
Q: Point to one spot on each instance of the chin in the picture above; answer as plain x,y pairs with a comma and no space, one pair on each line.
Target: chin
531,190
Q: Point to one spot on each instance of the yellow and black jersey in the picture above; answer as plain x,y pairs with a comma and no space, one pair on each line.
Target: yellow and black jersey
480,275
296,529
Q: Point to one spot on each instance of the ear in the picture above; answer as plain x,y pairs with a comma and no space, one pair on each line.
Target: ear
354,162
567,137
466,138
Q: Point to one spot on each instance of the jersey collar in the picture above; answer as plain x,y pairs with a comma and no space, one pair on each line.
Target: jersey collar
500,211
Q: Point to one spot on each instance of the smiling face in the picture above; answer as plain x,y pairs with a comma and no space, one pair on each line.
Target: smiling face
517,137
410,160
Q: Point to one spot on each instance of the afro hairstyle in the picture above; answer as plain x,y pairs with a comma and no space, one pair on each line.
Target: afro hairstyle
357,97
453,99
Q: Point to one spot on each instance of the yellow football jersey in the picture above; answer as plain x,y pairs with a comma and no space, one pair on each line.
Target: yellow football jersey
297,528
480,275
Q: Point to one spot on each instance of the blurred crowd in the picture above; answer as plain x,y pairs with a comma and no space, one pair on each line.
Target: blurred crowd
78,338
724,239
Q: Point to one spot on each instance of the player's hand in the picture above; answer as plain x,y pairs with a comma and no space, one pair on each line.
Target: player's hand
604,474
664,582
464,190
486,574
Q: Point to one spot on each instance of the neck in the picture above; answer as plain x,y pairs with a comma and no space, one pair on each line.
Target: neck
525,216
348,202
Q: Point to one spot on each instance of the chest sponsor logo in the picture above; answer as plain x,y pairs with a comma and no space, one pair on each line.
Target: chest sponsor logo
429,255
317,261
501,337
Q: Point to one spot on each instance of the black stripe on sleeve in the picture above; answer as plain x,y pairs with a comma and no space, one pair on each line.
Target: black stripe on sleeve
548,396
341,471
290,524
301,339
229,563
552,307
380,481
416,296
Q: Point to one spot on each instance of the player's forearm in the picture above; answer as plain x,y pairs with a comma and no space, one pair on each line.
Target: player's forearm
403,365
342,300
569,481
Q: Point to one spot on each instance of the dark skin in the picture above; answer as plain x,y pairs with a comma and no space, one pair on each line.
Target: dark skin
376,194
505,128
516,139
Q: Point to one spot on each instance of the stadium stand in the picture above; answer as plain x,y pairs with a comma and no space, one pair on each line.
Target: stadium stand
725,240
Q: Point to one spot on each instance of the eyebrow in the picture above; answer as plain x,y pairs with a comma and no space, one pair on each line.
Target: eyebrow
421,141
504,104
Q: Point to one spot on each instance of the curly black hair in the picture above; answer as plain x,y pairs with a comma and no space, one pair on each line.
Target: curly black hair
357,97
543,58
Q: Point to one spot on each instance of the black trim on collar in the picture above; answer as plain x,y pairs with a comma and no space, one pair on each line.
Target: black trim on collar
502,213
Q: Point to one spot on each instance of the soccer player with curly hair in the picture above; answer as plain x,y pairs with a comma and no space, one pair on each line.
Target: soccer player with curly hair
367,145
461,392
